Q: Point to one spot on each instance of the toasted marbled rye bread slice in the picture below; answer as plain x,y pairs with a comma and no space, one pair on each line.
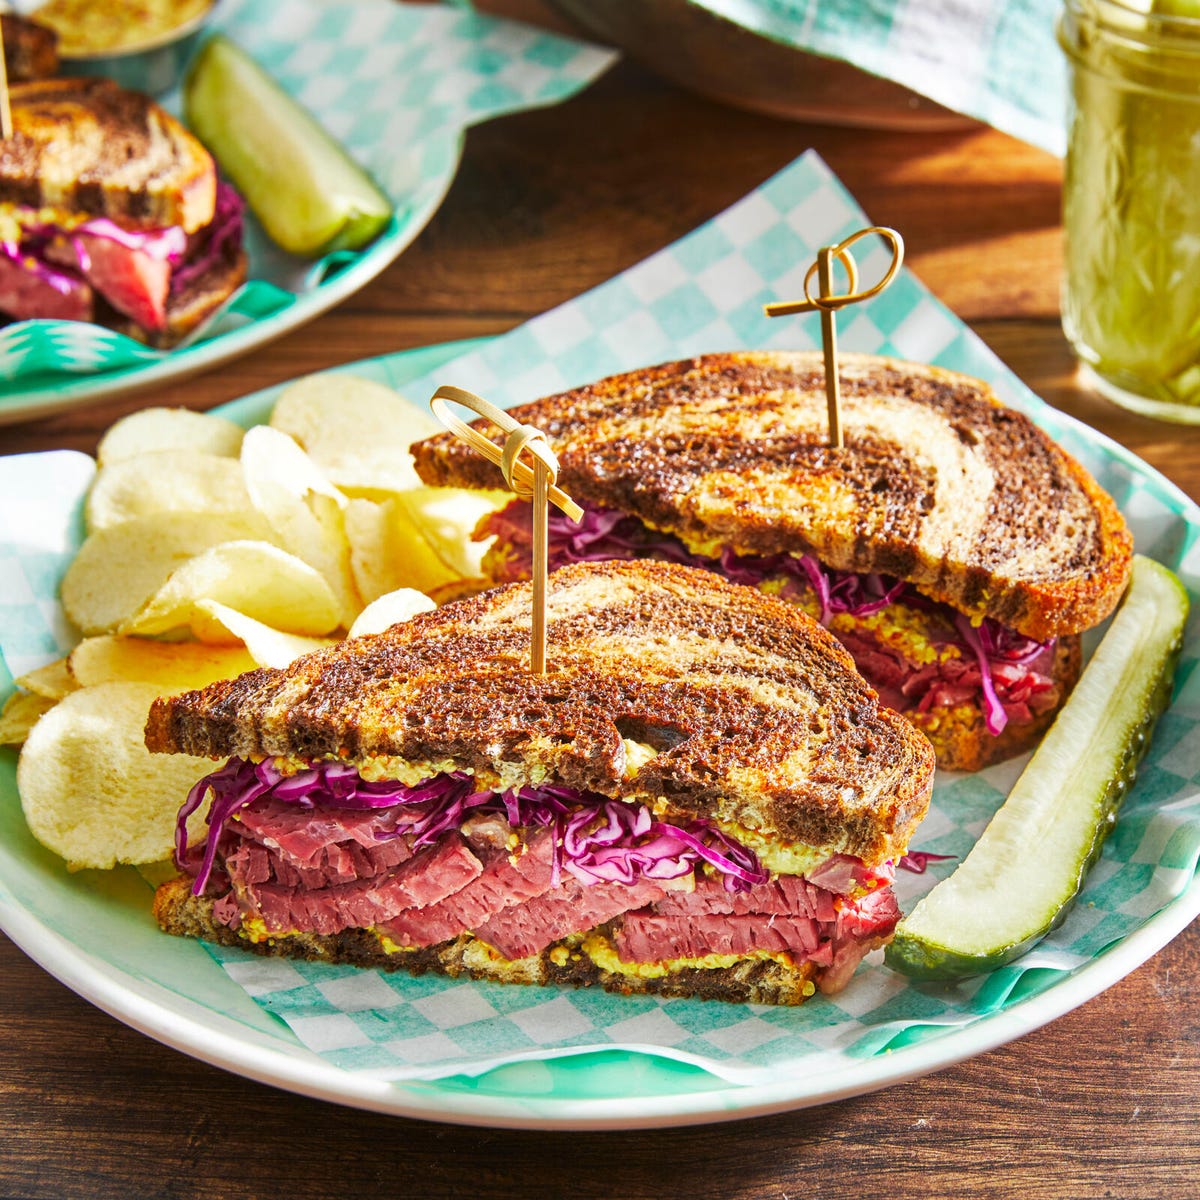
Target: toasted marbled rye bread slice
90,147
755,713
938,483
753,979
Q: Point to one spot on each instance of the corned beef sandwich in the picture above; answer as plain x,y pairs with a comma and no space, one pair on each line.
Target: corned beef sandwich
111,212
700,797
952,547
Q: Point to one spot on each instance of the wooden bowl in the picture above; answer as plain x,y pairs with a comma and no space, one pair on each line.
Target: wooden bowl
699,50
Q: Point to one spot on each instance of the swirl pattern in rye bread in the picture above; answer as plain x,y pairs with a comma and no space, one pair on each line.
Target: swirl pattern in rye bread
754,712
937,483
126,158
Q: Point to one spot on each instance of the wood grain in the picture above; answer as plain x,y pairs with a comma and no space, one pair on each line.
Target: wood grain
1104,1101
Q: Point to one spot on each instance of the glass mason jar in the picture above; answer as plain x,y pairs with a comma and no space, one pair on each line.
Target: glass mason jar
1131,201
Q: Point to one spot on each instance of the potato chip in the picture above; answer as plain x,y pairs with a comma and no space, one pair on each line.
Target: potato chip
254,578
447,517
119,568
20,714
390,609
358,431
91,791
303,508
266,646
387,551
52,682
153,429
272,455
165,481
172,667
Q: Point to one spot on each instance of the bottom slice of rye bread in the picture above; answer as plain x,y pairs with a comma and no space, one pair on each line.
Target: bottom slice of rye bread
753,980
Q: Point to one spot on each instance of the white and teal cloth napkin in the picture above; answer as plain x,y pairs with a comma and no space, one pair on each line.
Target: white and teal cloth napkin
995,60
706,293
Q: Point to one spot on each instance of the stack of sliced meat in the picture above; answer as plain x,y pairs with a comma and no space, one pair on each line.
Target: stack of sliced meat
324,871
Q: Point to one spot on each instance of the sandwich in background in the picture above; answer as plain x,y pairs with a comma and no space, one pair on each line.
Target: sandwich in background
112,212
30,48
952,547
700,798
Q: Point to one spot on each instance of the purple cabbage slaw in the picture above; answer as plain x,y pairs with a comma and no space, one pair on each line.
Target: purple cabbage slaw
225,227
605,534
596,839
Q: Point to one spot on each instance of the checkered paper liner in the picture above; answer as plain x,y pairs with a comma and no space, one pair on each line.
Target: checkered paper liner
703,293
396,84
995,60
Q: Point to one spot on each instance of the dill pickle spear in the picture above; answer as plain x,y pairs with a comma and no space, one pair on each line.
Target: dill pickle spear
309,195
1021,876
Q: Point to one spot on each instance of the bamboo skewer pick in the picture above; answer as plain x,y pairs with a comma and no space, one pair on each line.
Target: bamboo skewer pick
827,302
534,483
6,125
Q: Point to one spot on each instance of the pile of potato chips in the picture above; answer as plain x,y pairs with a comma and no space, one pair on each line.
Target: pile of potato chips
212,550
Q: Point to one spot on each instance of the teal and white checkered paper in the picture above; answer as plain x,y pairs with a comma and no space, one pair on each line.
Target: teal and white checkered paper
705,293
995,60
396,84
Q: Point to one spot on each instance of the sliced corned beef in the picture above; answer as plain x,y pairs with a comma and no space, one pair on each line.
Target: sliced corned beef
786,894
800,916
43,294
508,878
133,281
298,834
426,878
645,936
529,928
860,928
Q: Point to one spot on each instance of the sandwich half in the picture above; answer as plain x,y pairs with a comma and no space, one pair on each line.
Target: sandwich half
700,797
112,212
954,549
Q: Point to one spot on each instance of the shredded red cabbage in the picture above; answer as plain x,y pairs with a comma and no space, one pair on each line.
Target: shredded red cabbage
226,227
598,840
916,861
604,534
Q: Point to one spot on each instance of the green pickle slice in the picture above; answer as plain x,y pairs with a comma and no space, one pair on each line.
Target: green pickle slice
310,196
1031,861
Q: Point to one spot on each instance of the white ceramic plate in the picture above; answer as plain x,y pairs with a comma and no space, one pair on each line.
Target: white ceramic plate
93,931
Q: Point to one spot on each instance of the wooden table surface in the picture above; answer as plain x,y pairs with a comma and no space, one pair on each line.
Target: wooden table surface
1105,1101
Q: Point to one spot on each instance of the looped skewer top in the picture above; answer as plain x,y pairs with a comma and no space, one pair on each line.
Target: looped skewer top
831,302
827,302
519,439
534,483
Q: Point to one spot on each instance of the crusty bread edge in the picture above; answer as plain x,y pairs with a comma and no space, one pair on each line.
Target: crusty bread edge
1040,610
752,981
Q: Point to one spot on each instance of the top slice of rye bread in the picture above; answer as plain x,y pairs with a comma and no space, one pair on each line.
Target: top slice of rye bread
938,483
755,713
91,147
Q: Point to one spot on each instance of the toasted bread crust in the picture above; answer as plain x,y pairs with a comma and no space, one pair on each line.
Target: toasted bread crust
30,49
89,146
938,483
754,981
756,713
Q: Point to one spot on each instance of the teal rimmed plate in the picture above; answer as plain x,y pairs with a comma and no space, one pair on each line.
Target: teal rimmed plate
94,932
